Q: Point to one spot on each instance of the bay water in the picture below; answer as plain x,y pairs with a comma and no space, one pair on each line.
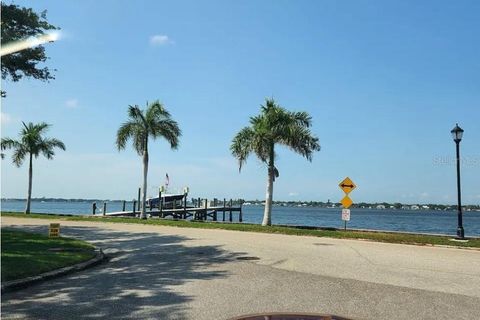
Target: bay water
421,221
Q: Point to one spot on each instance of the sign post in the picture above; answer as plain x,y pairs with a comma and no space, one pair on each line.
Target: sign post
347,186
345,217
54,230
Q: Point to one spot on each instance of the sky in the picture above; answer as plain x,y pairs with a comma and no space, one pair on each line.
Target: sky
384,81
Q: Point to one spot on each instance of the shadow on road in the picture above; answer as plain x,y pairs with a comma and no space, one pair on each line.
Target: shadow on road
138,280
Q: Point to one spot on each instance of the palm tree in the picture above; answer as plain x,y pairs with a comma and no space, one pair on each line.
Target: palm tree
274,125
31,144
154,122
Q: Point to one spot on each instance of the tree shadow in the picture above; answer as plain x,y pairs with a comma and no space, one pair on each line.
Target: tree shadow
138,281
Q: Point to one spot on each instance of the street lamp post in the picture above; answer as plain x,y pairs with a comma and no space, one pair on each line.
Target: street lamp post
457,134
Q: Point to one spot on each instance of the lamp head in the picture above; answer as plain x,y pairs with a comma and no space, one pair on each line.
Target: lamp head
457,133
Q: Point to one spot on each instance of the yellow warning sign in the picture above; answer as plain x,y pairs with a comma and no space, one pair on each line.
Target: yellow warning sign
346,202
54,230
347,185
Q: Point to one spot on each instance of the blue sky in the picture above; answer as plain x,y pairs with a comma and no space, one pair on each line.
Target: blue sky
385,82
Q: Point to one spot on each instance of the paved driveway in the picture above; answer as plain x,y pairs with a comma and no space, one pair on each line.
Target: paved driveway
175,273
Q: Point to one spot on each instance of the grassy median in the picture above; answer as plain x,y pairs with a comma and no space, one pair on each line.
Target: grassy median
390,237
27,254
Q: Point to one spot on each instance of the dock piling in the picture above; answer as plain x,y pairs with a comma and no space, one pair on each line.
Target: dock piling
139,192
104,208
230,217
224,208
134,206
184,206
215,211
240,214
123,205
199,205
160,204
159,198
94,208
205,213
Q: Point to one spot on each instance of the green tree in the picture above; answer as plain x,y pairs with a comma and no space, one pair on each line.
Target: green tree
19,23
274,125
31,144
154,122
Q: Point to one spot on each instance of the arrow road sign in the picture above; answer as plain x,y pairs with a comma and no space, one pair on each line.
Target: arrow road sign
347,185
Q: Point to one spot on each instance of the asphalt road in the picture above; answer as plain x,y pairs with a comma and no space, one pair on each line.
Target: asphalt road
176,273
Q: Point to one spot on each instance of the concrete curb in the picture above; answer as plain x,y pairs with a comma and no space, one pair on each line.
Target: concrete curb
26,282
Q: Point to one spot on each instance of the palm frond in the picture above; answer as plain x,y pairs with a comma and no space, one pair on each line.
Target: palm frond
156,110
47,146
140,139
168,129
135,113
19,155
242,145
300,140
302,118
8,143
125,132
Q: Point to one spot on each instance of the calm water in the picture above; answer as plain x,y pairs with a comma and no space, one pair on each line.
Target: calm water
425,221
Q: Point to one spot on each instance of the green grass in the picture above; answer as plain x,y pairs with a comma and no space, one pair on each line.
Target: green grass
27,254
389,237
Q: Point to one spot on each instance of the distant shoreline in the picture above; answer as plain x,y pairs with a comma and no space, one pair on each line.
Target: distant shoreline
306,204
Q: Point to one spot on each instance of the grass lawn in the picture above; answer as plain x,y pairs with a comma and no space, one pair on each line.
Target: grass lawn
374,236
27,254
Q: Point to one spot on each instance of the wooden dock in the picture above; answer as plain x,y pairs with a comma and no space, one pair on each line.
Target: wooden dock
223,212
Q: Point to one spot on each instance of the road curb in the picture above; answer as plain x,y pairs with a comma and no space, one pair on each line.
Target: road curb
26,282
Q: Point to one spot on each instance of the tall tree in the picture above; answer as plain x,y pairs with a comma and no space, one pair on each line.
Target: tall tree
274,125
154,122
31,144
19,23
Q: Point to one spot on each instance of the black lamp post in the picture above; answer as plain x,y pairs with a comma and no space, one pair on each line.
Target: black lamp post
457,134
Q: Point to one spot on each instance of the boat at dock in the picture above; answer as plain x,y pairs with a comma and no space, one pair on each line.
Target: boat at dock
168,201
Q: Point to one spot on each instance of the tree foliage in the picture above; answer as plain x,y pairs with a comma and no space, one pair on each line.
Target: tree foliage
32,141
19,23
155,122
275,125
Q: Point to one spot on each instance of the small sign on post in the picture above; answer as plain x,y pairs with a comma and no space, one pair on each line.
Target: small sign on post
54,230
345,217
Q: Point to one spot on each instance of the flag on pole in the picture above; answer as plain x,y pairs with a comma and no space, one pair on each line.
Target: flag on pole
167,180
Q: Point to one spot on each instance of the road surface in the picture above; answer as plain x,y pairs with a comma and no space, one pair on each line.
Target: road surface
157,272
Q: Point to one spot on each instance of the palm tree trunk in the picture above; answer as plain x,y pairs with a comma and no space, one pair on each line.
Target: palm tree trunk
143,214
267,214
29,194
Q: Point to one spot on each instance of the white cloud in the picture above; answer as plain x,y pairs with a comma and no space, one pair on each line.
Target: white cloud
293,194
160,40
424,195
71,103
5,118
